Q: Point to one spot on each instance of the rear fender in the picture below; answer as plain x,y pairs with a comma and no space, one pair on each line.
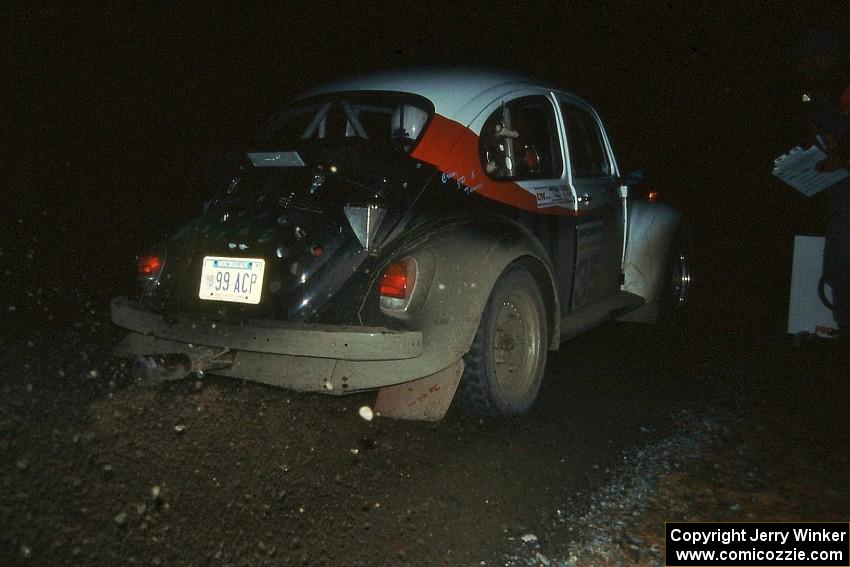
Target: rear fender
463,262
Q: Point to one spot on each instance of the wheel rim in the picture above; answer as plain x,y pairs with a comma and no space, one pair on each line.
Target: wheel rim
516,342
681,279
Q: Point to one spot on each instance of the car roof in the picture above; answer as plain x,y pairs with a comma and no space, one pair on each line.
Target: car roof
458,93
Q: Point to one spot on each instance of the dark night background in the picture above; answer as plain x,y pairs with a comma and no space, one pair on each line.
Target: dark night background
115,108
110,112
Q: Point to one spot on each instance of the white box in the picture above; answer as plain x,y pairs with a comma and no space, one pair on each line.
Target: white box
806,312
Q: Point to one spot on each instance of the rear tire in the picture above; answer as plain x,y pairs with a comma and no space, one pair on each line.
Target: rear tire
505,366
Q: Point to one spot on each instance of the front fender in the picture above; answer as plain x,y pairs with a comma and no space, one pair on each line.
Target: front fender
466,257
652,228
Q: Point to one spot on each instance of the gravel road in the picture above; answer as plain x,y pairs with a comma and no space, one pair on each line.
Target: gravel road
636,426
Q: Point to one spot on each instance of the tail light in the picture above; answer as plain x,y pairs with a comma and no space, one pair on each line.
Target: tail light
151,265
398,284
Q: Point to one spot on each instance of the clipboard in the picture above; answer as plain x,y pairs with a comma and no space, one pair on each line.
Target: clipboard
797,169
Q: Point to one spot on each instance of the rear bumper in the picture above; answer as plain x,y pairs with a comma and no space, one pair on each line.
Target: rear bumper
272,337
319,358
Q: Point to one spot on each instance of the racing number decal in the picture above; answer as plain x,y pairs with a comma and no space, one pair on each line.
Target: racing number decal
589,250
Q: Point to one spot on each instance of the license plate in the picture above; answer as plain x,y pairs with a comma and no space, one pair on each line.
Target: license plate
232,279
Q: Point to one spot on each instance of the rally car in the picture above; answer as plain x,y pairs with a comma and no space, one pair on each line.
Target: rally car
426,234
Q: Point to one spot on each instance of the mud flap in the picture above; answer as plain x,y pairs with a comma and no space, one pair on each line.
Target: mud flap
426,399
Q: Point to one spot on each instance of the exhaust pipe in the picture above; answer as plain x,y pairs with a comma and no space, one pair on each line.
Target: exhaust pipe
176,366
161,367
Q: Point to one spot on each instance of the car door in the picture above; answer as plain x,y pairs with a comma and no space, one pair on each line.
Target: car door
521,142
594,179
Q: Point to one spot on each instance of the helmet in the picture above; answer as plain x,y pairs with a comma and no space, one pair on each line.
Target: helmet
407,123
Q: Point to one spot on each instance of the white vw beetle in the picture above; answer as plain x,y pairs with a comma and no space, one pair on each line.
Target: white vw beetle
427,234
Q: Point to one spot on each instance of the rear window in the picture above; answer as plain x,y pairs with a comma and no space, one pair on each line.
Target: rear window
390,121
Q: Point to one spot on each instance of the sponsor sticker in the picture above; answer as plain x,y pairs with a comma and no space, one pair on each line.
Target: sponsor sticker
553,197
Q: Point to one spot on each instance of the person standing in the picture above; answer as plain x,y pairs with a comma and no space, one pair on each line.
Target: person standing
822,63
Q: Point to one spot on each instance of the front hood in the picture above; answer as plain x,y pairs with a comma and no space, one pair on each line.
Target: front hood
294,218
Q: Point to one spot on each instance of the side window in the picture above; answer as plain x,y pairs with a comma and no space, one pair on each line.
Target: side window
520,141
588,157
